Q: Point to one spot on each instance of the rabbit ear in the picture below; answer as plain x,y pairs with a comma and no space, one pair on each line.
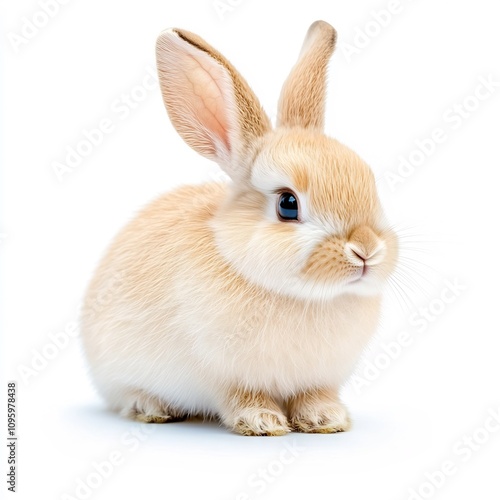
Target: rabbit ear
209,103
302,99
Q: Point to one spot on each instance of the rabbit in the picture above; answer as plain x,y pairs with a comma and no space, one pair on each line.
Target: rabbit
247,301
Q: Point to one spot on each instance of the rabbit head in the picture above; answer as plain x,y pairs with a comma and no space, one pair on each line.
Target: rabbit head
302,216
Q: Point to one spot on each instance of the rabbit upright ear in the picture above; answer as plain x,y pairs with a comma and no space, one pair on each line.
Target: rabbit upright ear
209,103
302,99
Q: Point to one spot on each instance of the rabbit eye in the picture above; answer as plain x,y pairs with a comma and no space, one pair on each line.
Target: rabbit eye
288,207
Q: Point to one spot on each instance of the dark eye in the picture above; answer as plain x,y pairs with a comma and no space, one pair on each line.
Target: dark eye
288,207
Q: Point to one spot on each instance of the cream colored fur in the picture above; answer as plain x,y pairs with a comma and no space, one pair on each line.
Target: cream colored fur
220,308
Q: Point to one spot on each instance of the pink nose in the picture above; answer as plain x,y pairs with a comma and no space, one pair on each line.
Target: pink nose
365,246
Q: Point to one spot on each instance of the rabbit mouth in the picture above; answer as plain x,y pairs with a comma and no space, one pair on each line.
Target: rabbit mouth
358,275
361,272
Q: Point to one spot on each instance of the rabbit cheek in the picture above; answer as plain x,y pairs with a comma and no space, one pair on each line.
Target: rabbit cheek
327,263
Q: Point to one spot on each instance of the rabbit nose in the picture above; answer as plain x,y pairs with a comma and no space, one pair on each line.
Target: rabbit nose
365,247
358,253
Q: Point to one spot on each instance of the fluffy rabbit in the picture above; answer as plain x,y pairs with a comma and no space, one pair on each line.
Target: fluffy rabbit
249,301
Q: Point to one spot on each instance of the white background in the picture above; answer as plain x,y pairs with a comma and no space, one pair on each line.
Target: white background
418,407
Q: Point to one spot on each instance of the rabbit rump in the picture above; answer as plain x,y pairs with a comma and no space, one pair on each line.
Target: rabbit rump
249,301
